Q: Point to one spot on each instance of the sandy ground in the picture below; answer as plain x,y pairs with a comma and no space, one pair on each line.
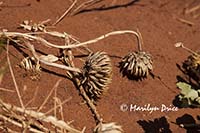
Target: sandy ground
160,26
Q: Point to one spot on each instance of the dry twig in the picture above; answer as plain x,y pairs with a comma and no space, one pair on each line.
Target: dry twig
47,98
33,98
185,21
13,77
36,115
65,13
85,5
7,90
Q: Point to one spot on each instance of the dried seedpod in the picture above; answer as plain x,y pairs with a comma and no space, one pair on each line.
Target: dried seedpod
32,66
108,128
136,65
96,74
28,25
191,65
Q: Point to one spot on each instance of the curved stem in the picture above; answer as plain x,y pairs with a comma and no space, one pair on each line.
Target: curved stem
27,35
140,40
31,47
180,44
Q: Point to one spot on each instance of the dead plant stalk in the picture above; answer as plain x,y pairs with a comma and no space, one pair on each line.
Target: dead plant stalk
45,42
13,77
40,116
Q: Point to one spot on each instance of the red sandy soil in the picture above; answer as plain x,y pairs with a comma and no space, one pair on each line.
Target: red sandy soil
160,29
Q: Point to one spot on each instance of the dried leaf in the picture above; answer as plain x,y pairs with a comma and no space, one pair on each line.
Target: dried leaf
49,58
108,128
178,44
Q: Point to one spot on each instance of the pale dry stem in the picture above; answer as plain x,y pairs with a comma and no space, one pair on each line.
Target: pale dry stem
45,42
193,9
18,124
48,96
85,5
65,13
37,115
33,98
49,111
181,45
31,47
6,90
13,77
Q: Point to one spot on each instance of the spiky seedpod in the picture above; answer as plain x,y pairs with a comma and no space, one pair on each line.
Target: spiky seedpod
136,65
97,73
108,128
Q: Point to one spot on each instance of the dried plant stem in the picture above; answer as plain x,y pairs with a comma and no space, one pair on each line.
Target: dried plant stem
85,5
81,89
13,77
7,90
140,40
193,9
31,47
40,116
89,102
50,93
19,124
55,102
65,13
33,98
49,111
45,42
7,129
180,44
185,21
100,38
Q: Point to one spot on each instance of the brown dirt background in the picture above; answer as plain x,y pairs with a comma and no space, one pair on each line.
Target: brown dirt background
160,30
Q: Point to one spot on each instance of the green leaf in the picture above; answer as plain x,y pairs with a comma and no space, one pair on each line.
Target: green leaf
185,88
188,96
187,91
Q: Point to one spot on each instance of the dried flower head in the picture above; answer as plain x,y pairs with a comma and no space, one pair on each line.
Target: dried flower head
31,66
191,65
108,128
193,61
136,65
97,73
